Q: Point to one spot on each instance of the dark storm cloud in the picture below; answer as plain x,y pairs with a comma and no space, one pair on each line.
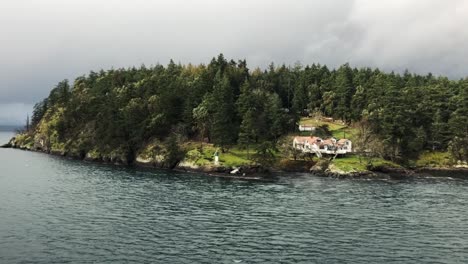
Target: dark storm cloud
45,41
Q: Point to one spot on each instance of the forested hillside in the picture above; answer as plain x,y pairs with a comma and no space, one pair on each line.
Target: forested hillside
228,104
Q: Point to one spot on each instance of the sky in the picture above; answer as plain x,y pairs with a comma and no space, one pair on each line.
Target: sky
44,42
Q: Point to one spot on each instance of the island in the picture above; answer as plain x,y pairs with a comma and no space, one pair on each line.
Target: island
225,118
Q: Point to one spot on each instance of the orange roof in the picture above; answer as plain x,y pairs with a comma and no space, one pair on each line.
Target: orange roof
301,139
307,139
342,141
315,139
327,142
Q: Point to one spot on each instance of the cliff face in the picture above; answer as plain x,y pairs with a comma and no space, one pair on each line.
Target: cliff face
40,142
43,140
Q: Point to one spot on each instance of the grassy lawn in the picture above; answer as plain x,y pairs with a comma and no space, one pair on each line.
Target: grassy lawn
312,122
345,132
434,159
233,157
351,163
236,157
337,130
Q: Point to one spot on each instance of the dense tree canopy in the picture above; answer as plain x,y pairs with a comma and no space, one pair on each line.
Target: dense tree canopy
227,104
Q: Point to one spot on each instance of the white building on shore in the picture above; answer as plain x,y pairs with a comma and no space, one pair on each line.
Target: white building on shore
321,146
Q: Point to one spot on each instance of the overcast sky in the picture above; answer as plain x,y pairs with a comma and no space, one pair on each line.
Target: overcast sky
43,42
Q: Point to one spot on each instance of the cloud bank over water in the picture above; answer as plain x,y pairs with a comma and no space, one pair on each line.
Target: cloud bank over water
14,114
46,41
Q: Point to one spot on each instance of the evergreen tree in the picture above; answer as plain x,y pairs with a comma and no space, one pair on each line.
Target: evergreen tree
224,128
458,122
344,91
124,109
174,153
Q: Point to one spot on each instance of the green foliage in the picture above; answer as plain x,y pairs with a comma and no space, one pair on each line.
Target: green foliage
174,154
24,140
38,112
434,159
233,157
265,153
323,131
229,105
224,125
202,117
236,157
194,155
458,148
352,163
344,91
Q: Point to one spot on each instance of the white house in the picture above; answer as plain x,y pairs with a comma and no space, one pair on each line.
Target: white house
306,144
321,146
345,145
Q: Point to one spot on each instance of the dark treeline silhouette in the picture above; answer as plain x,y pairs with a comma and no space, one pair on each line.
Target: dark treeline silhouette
227,104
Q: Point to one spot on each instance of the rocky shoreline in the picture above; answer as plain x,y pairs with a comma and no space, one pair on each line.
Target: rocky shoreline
253,172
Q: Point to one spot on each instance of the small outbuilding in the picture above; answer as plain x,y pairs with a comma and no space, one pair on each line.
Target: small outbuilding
306,128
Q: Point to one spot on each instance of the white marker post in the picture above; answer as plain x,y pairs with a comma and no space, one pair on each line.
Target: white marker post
216,158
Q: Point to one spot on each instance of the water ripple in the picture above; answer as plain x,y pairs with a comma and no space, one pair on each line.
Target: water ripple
61,211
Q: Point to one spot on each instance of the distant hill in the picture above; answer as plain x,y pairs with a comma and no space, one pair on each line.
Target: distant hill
9,128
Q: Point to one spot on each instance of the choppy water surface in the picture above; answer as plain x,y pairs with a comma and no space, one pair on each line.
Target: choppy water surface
54,210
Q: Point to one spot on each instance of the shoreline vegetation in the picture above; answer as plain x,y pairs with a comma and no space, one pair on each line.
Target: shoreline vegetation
223,118
351,166
259,173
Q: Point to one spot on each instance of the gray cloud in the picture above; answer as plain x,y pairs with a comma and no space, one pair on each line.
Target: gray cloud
45,41
14,113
